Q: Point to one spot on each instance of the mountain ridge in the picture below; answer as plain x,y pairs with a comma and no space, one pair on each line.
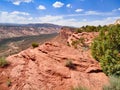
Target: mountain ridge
18,30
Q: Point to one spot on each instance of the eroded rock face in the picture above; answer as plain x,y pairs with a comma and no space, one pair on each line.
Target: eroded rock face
87,36
43,68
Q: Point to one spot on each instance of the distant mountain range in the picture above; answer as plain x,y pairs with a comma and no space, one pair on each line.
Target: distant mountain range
17,30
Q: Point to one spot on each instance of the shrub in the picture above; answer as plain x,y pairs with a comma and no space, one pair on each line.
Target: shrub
79,42
89,29
82,42
70,64
68,44
8,83
80,88
78,30
3,62
106,49
34,45
75,44
114,84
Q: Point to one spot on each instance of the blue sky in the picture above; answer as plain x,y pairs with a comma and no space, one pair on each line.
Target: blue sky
62,12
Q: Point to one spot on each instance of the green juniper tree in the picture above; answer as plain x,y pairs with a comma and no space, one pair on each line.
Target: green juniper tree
106,50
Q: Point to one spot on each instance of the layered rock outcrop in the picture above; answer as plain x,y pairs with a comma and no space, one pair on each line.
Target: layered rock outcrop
43,68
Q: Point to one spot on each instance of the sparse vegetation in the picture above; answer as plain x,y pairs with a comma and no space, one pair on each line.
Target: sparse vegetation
89,29
70,64
106,50
78,30
80,88
3,62
8,83
80,42
68,44
34,45
75,44
114,84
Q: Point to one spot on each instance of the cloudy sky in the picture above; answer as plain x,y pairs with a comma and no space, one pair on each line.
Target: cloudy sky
62,12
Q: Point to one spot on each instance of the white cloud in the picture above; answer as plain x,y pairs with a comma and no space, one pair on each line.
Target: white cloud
78,10
69,6
76,23
98,13
58,4
12,17
61,20
115,10
19,13
41,7
119,9
49,18
92,13
18,2
23,17
85,20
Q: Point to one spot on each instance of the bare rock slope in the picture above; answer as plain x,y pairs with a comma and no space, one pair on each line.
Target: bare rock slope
43,68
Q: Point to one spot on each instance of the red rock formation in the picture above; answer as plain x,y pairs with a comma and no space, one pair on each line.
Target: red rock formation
87,36
43,68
